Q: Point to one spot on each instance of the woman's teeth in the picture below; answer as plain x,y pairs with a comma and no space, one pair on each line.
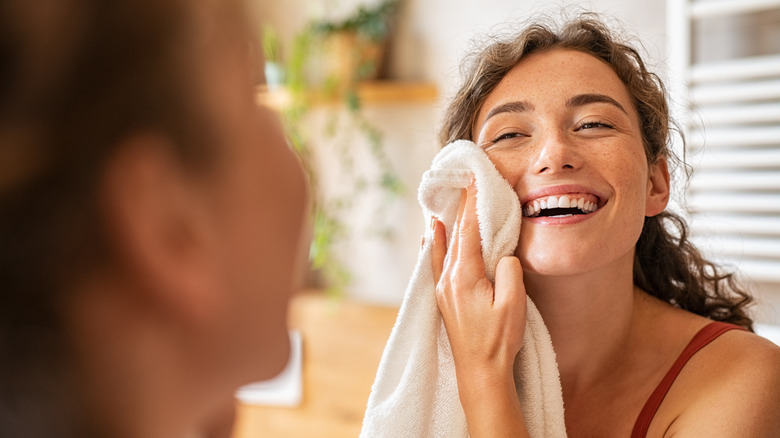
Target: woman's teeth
561,206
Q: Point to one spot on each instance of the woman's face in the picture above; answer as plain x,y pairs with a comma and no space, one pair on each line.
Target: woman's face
562,129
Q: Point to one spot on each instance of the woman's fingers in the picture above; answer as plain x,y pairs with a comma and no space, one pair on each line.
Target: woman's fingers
484,321
469,243
438,249
509,282
510,301
465,246
443,252
452,250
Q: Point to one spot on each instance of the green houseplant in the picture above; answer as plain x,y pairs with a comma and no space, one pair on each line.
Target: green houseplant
358,42
362,37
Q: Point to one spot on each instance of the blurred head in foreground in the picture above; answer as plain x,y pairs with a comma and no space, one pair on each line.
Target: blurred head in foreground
149,217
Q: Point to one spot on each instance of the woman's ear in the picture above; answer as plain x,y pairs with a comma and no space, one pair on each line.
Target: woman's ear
159,229
657,187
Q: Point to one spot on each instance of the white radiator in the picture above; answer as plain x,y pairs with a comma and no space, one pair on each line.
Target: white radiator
729,104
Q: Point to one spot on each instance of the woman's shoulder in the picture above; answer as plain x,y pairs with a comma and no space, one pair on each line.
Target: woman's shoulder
731,387
737,357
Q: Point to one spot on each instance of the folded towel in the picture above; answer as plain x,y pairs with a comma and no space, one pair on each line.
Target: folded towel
415,393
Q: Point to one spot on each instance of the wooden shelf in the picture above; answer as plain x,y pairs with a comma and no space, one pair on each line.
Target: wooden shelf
370,92
397,92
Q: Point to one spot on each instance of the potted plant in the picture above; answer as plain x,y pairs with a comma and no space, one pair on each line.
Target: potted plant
356,45
366,34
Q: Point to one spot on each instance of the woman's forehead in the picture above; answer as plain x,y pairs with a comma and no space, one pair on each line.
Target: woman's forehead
556,76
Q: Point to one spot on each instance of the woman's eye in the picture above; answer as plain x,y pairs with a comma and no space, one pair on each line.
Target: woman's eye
506,136
592,125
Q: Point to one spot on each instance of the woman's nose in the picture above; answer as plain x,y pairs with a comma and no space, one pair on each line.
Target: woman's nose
556,154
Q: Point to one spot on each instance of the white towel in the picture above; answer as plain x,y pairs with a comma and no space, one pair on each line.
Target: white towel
415,393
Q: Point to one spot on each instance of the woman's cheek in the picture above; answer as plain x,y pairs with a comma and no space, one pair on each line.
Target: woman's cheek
507,166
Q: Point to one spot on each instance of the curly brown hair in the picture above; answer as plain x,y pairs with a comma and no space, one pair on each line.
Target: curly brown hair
666,264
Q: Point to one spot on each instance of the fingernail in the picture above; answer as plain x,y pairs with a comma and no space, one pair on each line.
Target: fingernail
433,223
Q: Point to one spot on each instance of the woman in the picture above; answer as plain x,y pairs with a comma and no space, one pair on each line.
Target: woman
577,125
150,215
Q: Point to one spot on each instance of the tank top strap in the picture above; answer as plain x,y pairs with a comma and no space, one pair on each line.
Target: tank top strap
706,335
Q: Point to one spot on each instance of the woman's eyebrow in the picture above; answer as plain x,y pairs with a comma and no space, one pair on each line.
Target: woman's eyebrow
585,99
509,107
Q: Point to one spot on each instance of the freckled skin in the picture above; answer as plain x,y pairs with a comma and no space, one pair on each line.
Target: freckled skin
561,122
597,145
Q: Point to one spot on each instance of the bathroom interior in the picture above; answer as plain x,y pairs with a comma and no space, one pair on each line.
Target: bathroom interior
368,147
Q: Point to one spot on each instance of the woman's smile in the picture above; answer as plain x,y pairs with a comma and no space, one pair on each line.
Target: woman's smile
562,130
561,206
561,201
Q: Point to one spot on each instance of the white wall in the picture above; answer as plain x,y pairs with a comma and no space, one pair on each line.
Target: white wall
435,34
432,37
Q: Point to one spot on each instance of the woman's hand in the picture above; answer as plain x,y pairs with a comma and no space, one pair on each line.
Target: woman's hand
485,323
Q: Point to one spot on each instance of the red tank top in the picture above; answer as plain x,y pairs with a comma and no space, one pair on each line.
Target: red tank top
706,335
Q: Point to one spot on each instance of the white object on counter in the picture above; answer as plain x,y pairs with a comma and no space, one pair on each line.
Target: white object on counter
286,388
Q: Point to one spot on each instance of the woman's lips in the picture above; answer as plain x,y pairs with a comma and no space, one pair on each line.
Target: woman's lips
561,205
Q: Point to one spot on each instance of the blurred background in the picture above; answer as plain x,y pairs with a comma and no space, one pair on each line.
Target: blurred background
362,85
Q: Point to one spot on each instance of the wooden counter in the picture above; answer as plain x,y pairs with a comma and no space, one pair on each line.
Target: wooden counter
342,344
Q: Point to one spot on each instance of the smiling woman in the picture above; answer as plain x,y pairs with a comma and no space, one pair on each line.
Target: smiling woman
574,139
578,126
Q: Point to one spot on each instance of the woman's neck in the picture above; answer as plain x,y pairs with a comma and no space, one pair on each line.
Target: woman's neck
590,318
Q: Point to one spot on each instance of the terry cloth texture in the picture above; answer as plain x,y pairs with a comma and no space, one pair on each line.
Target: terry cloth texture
415,393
